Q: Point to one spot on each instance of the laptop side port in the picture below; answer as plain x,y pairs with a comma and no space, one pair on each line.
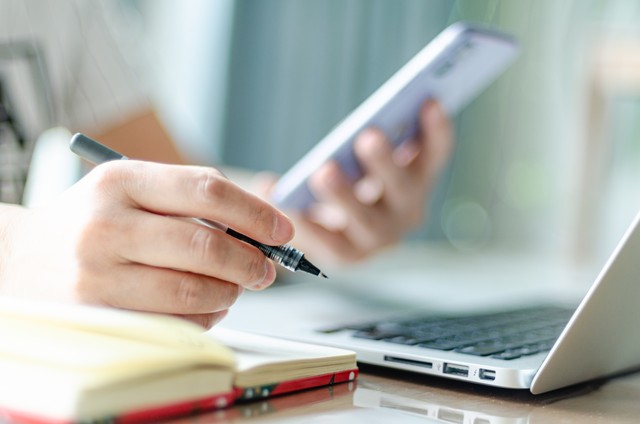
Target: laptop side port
487,374
406,361
456,369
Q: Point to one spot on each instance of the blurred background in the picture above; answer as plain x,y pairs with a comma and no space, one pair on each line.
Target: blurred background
547,159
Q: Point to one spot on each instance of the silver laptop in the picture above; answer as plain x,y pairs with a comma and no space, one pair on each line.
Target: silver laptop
540,348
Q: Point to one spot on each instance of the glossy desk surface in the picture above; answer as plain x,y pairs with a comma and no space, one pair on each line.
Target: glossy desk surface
384,395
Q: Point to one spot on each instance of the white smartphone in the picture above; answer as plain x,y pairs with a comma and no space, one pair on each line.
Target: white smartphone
453,69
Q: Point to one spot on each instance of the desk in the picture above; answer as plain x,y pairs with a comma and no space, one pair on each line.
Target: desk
429,277
383,396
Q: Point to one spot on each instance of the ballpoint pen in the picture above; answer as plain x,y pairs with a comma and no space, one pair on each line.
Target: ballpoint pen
286,255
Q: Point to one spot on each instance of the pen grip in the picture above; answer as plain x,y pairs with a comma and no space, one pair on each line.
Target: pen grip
92,151
267,250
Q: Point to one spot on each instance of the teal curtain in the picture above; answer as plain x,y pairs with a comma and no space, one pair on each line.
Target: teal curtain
298,67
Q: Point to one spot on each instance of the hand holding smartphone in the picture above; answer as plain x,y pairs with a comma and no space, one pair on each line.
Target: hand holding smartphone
452,69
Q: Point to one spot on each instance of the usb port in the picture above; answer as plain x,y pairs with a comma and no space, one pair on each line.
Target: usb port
456,369
487,374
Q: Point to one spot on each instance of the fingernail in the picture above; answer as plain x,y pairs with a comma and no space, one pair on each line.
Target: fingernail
369,191
283,231
327,177
370,142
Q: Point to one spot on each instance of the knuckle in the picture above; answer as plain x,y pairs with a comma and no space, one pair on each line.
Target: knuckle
256,270
211,185
190,292
97,226
119,179
204,244
228,297
111,175
262,216
196,294
105,173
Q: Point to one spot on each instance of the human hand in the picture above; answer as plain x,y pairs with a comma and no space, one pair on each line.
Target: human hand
114,239
353,220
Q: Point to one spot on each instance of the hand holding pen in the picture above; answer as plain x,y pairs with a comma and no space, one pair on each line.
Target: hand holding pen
112,239
287,256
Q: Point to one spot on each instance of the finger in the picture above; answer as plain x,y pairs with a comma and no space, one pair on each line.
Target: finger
330,185
328,215
375,154
195,191
168,242
436,138
369,190
406,152
331,245
146,288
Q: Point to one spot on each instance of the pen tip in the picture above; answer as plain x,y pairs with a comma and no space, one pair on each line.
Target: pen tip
307,266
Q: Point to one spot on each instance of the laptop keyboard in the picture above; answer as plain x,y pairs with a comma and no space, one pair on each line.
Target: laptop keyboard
501,335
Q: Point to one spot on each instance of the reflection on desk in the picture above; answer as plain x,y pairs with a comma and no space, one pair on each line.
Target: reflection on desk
313,402
446,401
383,396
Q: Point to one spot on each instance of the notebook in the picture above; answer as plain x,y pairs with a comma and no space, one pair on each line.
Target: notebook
70,363
539,348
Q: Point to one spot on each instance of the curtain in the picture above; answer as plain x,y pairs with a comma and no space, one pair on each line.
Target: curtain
298,67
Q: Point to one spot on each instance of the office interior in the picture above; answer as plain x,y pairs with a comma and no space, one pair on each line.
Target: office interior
546,162
545,159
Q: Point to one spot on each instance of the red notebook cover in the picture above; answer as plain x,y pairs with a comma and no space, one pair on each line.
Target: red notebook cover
197,406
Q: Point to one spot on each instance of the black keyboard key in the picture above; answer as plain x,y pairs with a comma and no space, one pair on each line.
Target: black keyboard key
482,349
443,344
508,354
405,340
366,335
504,335
525,350
380,331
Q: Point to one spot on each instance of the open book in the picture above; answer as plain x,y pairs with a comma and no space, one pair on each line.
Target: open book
68,363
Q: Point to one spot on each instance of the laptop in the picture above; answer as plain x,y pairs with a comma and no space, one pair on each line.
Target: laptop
534,347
